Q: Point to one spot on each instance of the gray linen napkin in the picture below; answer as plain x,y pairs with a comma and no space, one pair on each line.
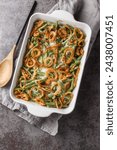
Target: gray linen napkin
86,11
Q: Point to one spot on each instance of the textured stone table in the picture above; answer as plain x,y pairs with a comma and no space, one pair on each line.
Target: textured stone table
78,130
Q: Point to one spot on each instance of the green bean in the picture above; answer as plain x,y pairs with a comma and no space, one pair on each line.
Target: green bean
44,56
30,86
26,69
40,59
51,95
50,104
72,85
41,73
42,27
35,43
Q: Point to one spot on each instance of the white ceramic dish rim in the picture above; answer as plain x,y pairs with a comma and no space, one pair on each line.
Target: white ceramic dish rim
68,18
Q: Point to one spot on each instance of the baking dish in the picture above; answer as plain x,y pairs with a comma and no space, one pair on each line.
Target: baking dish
67,18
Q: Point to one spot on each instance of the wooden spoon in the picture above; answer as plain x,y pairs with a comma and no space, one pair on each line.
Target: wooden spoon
6,66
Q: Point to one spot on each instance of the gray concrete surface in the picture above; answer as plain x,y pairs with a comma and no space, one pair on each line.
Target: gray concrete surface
78,130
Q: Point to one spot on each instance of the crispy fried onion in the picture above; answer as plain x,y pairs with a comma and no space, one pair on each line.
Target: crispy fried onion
56,88
78,33
36,92
36,33
52,36
39,23
54,59
51,75
68,29
81,43
73,40
64,69
76,76
25,74
67,97
79,51
58,103
53,48
62,33
30,62
68,55
50,28
35,52
22,78
22,83
48,62
21,95
47,34
63,75
46,88
39,101
30,45
67,85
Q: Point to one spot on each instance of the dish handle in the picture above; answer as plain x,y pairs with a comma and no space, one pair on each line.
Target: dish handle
41,112
62,14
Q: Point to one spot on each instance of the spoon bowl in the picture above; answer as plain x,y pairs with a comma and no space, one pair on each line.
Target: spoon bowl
6,68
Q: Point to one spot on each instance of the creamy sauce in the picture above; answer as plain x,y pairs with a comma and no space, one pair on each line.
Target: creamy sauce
52,43
43,70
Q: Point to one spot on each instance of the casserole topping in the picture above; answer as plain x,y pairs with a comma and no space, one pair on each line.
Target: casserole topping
51,64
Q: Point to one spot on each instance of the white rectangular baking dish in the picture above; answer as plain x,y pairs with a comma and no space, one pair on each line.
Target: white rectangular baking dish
67,18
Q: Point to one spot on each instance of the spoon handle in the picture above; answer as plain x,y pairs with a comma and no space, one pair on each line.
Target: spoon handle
23,28
10,55
30,13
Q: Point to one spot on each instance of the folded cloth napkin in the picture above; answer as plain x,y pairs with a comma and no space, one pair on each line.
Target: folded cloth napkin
86,11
